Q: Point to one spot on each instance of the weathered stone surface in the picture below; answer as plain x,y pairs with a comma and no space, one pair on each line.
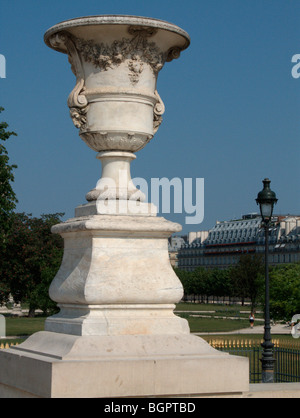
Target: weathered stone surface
115,104
116,334
58,365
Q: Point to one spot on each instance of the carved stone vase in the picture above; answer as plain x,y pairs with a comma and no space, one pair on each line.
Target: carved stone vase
115,103
116,277
116,334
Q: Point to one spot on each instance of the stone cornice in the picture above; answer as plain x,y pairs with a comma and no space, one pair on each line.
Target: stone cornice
116,20
116,224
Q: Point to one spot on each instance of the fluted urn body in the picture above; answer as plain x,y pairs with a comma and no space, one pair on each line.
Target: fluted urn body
116,60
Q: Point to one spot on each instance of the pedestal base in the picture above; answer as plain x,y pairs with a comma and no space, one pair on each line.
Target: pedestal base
53,365
88,320
116,334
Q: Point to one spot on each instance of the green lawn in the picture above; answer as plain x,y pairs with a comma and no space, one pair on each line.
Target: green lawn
24,326
215,325
230,318
188,306
226,309
13,341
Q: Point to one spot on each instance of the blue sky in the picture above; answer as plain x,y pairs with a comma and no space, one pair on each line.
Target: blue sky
232,106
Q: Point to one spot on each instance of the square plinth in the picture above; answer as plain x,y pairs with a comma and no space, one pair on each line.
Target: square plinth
64,370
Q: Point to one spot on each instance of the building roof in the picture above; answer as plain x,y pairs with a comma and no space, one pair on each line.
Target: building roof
248,230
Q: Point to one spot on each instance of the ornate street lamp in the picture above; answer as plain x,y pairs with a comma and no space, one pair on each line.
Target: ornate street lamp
266,199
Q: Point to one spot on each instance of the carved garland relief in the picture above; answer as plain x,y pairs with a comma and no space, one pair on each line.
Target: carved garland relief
138,51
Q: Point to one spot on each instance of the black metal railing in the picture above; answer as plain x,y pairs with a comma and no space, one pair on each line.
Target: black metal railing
286,354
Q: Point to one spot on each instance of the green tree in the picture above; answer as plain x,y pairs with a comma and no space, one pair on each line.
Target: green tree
247,277
8,201
221,283
8,198
285,291
200,281
186,280
32,257
204,282
39,297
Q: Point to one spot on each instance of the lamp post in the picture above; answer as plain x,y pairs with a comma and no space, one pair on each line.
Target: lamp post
266,199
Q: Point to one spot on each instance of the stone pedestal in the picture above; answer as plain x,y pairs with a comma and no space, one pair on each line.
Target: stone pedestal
116,277
59,365
116,334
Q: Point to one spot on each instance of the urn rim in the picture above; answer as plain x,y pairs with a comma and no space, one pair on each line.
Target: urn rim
115,20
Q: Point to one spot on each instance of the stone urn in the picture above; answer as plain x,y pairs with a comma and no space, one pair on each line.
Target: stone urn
116,334
115,103
116,277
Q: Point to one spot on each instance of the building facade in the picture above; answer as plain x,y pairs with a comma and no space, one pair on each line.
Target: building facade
222,246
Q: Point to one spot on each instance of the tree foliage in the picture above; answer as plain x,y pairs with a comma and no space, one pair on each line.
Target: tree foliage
30,254
285,291
247,277
203,283
8,198
246,280
31,259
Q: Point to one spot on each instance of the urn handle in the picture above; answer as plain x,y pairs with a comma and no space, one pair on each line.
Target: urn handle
77,100
159,110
